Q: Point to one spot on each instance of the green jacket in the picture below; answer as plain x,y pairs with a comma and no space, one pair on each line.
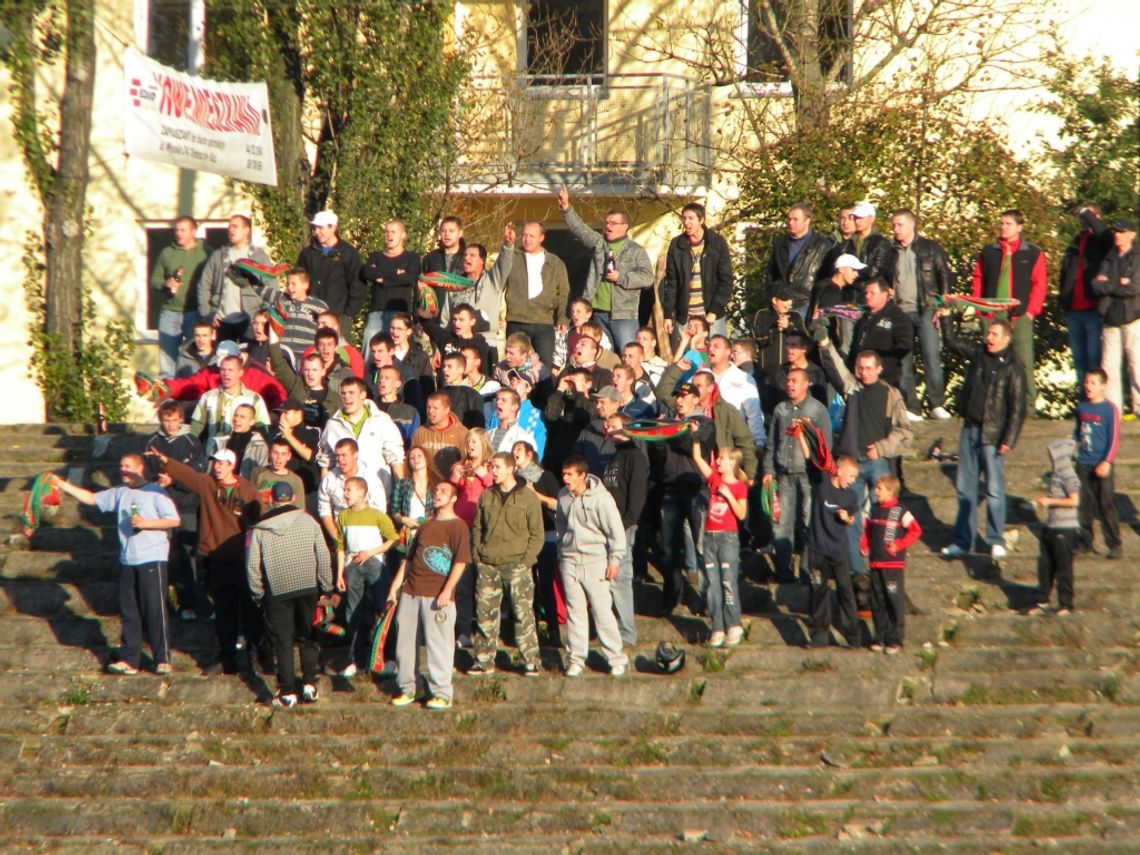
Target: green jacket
549,307
508,527
169,260
730,429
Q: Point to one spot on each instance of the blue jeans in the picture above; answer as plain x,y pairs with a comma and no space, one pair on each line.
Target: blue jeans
870,471
174,328
931,344
622,590
973,457
1084,342
722,575
795,513
622,332
675,511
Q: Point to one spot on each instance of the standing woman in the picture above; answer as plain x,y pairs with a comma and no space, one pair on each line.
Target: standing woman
471,476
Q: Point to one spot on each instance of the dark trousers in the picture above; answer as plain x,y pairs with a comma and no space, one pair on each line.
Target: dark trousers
289,621
821,570
676,509
1055,566
234,610
182,569
367,595
541,337
888,605
1098,499
142,606
465,601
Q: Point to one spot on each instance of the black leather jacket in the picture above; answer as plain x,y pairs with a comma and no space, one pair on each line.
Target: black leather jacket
800,276
1003,378
932,270
1098,246
878,253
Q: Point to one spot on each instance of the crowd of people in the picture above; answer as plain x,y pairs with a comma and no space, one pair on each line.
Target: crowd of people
509,440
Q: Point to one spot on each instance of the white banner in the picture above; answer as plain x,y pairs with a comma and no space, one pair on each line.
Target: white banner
198,124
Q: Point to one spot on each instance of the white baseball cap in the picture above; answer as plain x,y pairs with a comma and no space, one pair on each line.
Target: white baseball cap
849,260
324,218
225,455
863,209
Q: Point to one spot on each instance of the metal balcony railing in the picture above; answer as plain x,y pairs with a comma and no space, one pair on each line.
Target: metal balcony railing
621,128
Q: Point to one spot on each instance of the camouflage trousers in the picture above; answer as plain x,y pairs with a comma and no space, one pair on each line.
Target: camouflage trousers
517,582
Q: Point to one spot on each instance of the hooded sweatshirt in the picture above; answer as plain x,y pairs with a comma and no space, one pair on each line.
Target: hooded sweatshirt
287,555
589,526
185,448
445,446
1061,483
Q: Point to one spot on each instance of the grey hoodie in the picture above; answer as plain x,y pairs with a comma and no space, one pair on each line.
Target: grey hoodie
1062,482
589,526
287,555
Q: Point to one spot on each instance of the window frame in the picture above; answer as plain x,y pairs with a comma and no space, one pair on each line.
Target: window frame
590,85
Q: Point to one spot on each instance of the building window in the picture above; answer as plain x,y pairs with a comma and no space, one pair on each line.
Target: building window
155,236
565,42
767,25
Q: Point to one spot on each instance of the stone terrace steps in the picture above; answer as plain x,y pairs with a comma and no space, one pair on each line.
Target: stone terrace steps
993,731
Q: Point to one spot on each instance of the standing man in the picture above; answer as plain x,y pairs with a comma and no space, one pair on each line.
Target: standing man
537,291
1014,267
992,405
619,270
143,515
1079,266
287,567
591,543
736,388
784,465
334,269
1117,284
447,257
301,314
380,442
175,277
505,539
698,274
885,329
393,274
424,589
227,300
797,259
227,506
868,244
485,297
922,273
443,437
214,412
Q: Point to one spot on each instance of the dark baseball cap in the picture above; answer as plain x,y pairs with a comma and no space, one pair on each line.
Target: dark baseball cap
291,404
282,492
687,389
1124,226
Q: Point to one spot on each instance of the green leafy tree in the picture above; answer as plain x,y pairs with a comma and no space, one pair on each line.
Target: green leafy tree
368,87
76,361
1098,151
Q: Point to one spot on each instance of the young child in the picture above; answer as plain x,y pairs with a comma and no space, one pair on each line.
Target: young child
1098,432
728,506
833,508
1059,537
887,532
365,535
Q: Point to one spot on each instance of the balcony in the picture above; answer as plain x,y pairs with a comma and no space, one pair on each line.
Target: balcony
627,133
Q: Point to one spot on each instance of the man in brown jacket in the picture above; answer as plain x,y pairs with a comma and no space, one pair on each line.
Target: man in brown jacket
228,505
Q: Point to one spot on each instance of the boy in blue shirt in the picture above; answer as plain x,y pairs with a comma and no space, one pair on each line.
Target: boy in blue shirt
1098,436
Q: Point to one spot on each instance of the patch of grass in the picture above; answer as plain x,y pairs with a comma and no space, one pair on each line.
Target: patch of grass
78,694
490,690
1110,688
817,666
1050,825
182,820
359,789
713,661
908,690
927,658
644,752
696,691
600,820
1053,790
968,596
467,722
797,824
977,694
948,631
556,743
781,729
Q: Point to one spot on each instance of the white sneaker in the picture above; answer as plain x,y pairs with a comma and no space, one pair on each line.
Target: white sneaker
349,672
941,414
954,551
574,671
309,693
735,636
914,417
617,671
716,639
997,552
